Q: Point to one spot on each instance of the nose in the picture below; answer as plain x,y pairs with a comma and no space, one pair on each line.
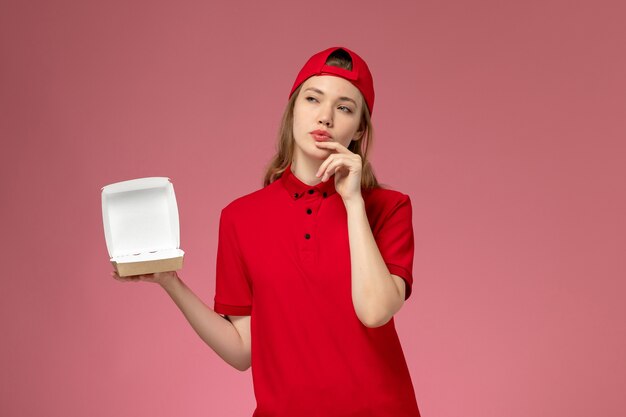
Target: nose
325,116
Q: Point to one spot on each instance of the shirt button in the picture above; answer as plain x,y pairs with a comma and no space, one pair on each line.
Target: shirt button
309,211
311,191
307,236
325,195
296,195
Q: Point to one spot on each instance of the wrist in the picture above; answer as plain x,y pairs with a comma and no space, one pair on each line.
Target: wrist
171,284
354,203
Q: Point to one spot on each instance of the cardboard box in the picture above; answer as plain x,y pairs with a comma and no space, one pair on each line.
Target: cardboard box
141,228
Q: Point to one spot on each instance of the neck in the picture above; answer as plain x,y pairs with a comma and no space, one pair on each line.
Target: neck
305,170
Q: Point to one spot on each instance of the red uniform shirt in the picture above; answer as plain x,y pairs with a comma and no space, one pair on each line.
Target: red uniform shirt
284,258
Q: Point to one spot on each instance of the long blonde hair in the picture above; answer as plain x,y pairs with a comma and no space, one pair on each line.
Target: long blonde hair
285,144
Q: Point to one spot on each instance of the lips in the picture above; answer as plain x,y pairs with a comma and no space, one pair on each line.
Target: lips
321,135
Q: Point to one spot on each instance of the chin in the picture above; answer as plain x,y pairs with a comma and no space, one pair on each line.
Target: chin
311,151
320,152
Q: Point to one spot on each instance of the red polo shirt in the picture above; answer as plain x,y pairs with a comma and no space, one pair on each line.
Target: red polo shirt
284,258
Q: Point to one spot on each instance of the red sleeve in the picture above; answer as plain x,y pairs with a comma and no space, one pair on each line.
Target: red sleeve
233,290
395,241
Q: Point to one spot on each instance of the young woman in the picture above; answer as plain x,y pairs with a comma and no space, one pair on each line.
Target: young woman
312,267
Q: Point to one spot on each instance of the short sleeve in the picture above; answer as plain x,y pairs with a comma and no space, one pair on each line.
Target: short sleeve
395,241
233,290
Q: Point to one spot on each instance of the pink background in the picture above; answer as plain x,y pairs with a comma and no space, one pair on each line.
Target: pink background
504,122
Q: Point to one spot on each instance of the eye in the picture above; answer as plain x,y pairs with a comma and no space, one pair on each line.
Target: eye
312,98
345,109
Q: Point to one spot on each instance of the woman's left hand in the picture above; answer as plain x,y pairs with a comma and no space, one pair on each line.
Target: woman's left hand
347,167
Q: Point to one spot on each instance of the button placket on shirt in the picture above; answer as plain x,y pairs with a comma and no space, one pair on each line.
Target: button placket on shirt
309,206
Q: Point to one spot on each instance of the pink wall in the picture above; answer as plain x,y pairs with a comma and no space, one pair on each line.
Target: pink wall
504,121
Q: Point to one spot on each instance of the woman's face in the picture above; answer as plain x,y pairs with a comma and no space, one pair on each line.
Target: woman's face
327,103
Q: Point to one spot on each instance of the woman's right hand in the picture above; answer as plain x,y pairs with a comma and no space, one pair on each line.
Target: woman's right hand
161,278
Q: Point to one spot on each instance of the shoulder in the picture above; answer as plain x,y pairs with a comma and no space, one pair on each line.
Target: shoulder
384,199
382,203
252,202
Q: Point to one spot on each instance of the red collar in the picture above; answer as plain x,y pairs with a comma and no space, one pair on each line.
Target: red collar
297,188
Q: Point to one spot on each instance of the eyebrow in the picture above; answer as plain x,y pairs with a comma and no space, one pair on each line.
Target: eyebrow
340,98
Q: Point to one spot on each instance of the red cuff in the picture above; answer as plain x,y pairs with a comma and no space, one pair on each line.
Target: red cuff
232,310
405,275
